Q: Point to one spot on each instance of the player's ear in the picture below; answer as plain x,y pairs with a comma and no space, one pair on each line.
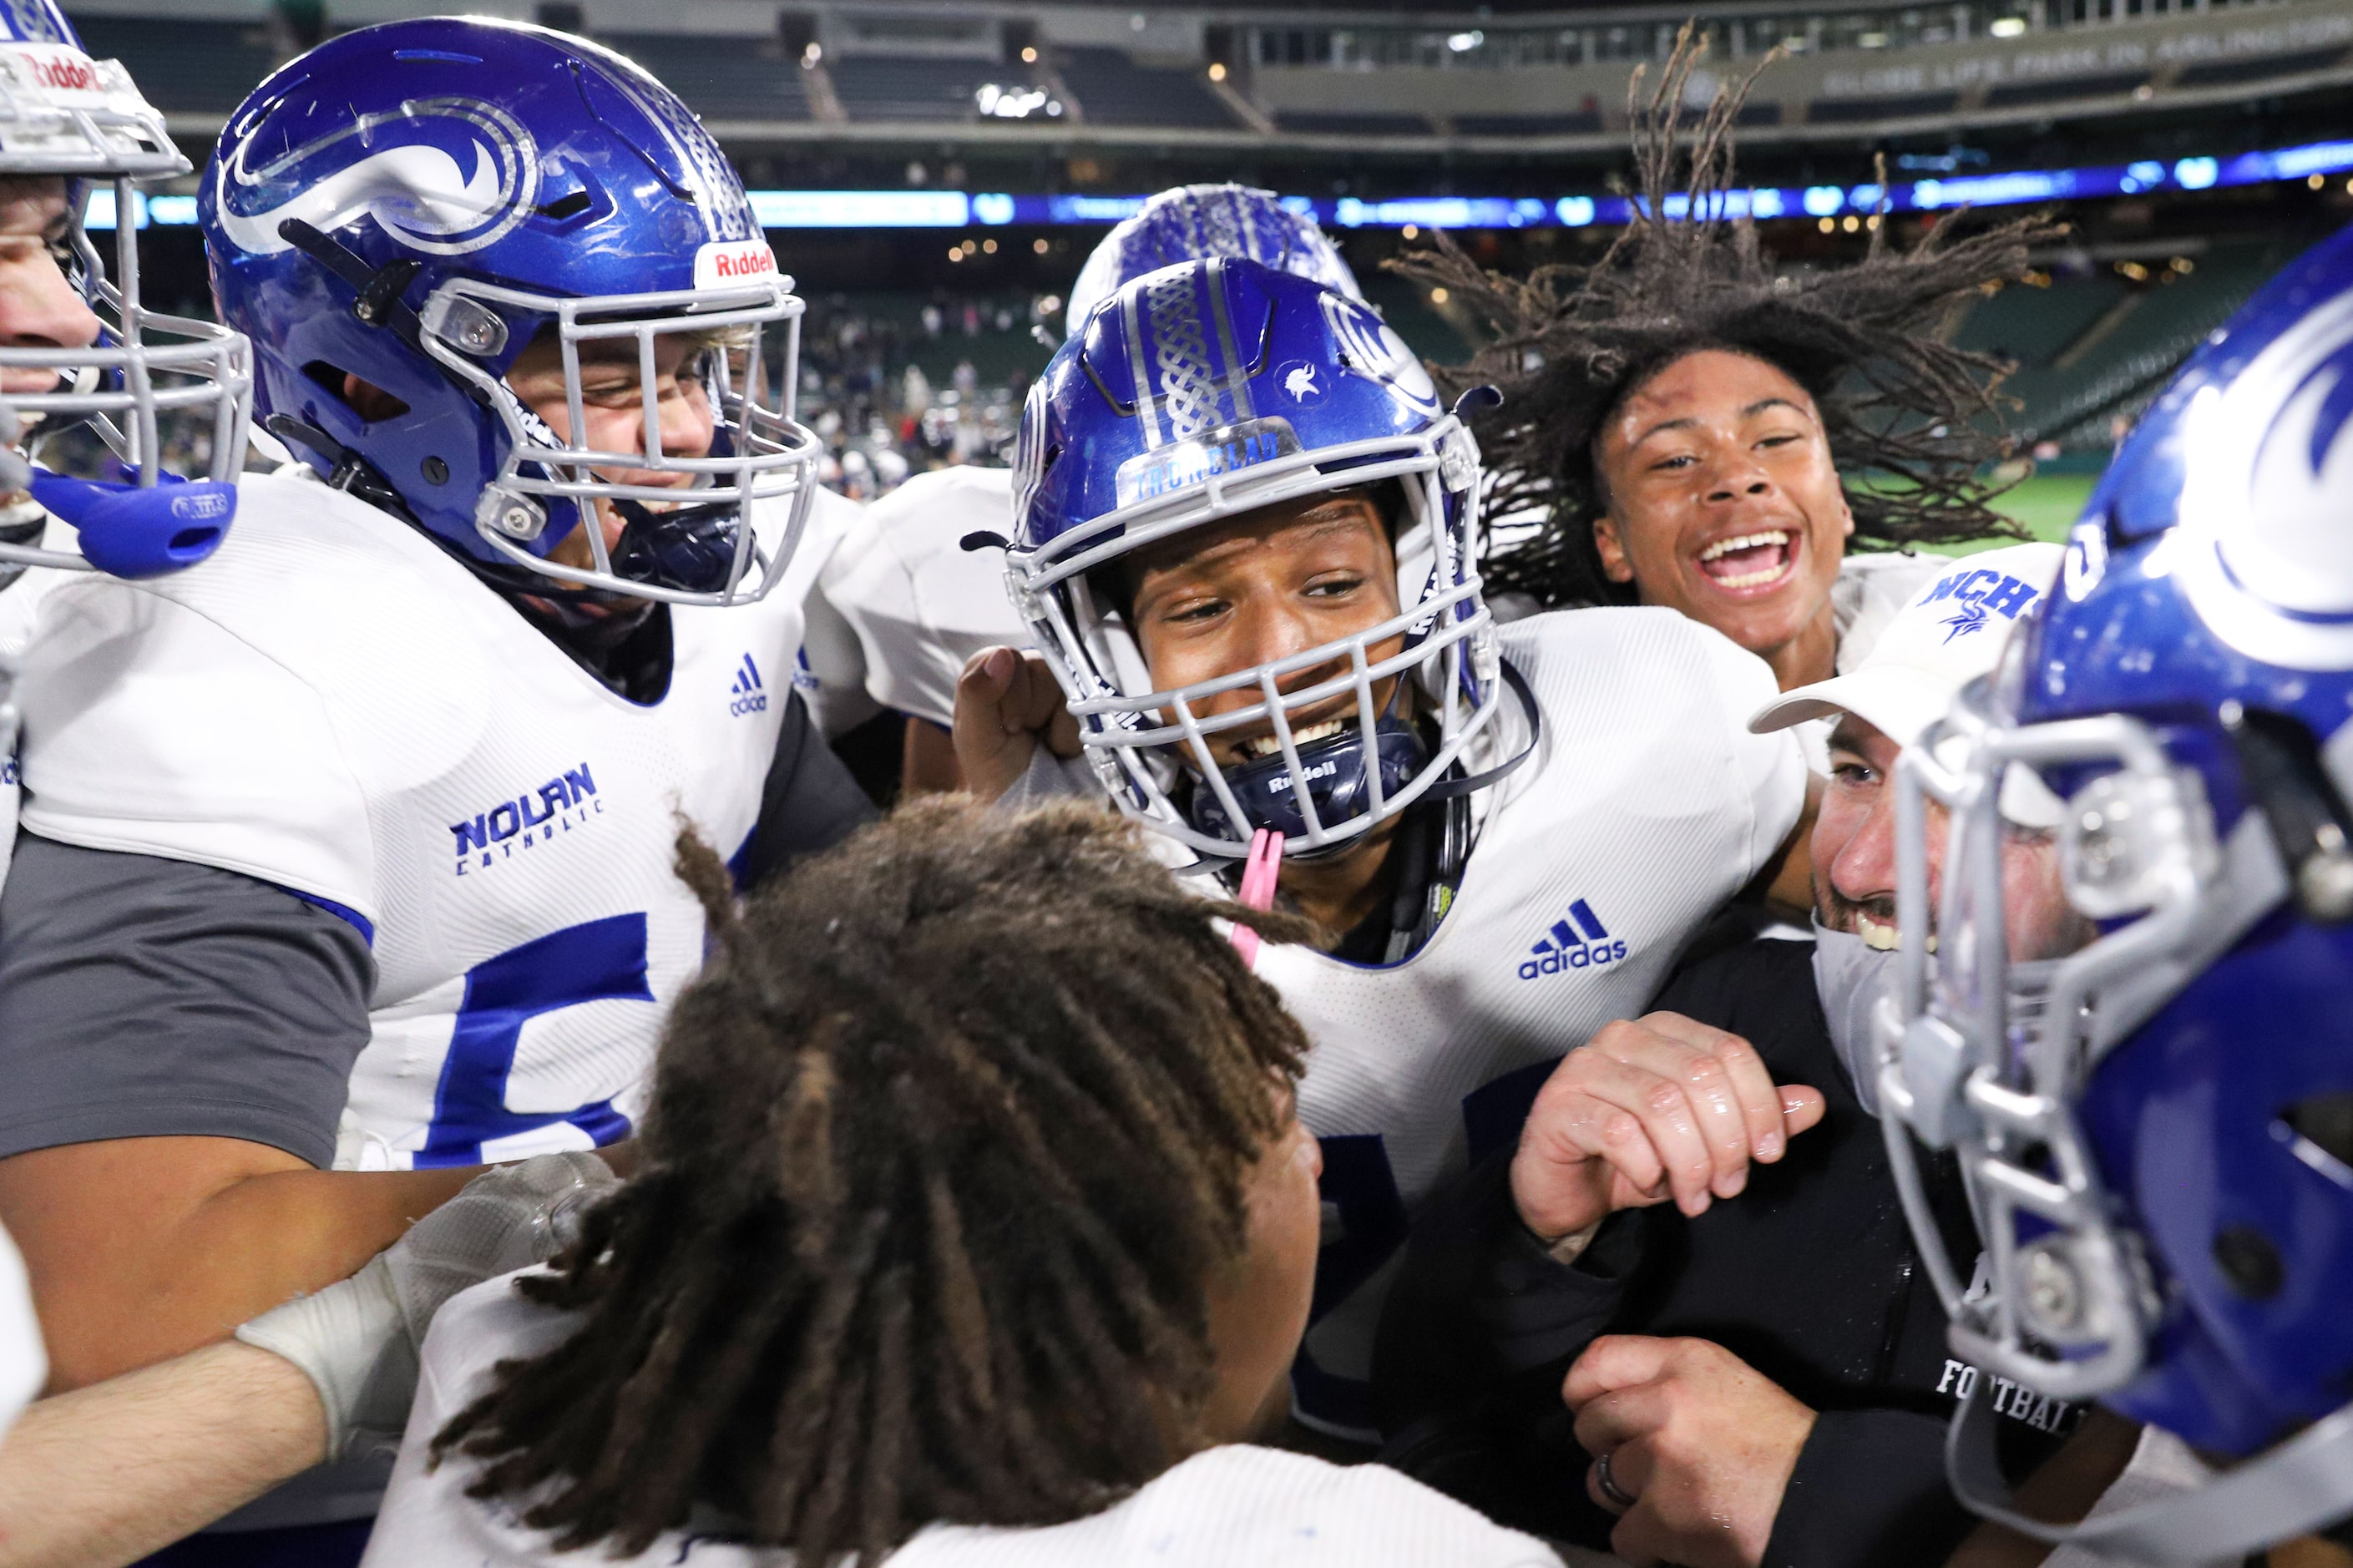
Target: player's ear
1612,548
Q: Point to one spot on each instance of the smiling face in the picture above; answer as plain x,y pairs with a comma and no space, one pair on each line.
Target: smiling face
1723,502
1260,587
612,407
1854,857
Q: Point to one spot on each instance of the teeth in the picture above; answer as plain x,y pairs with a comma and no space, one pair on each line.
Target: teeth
1883,938
1262,746
1745,542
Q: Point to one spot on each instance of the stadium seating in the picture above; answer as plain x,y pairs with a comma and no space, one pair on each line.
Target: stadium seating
1115,90
721,77
1337,122
2224,73
1907,106
184,65
897,87
1584,123
2093,348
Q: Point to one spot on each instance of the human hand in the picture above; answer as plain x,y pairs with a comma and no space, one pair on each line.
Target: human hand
1701,1441
1005,703
1651,1108
357,1339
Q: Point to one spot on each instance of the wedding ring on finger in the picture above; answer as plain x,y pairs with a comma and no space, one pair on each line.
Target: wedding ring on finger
1608,1483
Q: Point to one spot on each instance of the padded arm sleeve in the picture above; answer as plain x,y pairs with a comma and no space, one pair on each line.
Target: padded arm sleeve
142,998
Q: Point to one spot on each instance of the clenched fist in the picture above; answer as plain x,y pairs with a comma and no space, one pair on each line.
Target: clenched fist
1655,1108
1006,702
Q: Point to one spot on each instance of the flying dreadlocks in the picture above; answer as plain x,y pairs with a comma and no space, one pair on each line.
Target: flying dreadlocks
1911,420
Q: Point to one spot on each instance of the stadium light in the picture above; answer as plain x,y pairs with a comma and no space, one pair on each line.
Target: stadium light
959,209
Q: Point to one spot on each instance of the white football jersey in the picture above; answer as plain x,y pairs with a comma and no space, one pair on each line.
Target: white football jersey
918,602
1647,805
1234,1507
20,602
333,705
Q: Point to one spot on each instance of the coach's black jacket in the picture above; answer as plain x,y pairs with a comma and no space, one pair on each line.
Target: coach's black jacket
1809,1276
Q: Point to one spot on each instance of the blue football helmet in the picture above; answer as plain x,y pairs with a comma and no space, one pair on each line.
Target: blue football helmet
416,203
2158,1130
1193,223
1199,392
65,115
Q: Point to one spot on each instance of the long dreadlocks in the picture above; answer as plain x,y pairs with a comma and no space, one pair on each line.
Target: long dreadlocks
948,1142
1908,415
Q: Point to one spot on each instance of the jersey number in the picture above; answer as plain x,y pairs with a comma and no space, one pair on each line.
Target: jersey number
600,960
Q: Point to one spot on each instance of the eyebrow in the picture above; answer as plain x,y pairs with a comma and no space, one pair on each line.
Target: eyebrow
1687,421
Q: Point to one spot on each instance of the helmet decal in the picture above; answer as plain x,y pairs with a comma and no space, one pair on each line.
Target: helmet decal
1193,223
726,210
35,22
1191,392
1375,352
2269,561
457,175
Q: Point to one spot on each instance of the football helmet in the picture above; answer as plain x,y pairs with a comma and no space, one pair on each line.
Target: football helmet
2156,1130
65,115
1193,223
1199,392
418,202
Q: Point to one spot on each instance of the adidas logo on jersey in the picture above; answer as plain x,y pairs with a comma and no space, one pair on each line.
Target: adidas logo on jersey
559,805
748,694
1582,945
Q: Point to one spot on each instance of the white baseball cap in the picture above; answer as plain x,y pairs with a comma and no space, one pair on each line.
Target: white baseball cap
1946,636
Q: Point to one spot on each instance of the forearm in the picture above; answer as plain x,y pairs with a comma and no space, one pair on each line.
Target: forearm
197,1253
105,1474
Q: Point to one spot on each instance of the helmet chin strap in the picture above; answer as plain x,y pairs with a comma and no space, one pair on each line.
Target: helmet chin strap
687,547
2303,1485
1398,752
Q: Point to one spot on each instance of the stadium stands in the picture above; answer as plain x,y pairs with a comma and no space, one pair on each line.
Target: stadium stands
184,66
722,77
1907,106
1322,122
909,87
2093,348
1585,124
1113,90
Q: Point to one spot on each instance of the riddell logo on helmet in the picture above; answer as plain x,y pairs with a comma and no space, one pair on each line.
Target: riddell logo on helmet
1587,944
63,72
725,261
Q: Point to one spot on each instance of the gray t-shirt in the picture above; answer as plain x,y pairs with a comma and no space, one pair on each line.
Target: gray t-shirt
142,997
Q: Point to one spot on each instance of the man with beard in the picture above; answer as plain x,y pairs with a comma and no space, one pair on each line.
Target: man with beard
1757,1378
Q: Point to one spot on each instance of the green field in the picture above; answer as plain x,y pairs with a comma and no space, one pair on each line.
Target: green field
2048,504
